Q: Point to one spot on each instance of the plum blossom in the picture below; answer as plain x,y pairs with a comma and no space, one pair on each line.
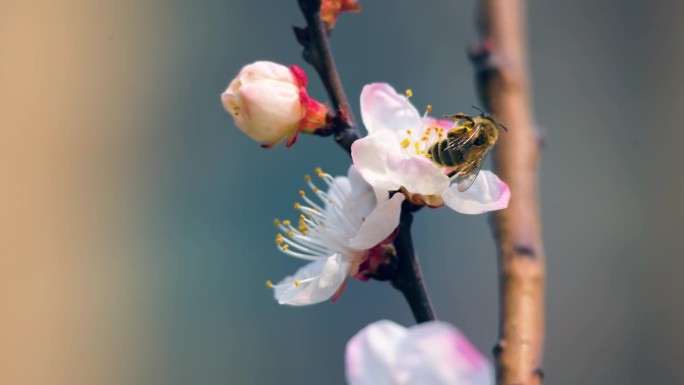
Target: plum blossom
269,103
432,353
393,156
338,237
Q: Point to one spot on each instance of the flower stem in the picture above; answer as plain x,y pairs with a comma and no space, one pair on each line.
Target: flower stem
501,74
409,279
317,53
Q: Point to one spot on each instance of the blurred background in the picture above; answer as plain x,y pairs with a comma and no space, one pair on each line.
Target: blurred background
136,220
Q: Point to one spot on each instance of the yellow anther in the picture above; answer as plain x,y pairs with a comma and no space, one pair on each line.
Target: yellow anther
276,222
307,178
303,229
302,218
424,139
428,156
285,246
301,193
405,143
416,146
409,93
408,131
290,233
236,113
297,283
428,109
287,222
315,190
279,240
297,206
269,284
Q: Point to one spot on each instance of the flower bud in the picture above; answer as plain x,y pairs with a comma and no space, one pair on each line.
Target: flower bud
331,9
269,103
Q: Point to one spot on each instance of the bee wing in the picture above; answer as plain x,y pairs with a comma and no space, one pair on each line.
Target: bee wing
463,139
463,182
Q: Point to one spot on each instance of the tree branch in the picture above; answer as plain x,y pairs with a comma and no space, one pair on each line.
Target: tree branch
501,75
317,52
408,278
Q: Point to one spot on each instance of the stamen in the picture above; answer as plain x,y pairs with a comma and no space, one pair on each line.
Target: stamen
409,93
276,222
297,283
405,143
297,206
307,178
269,284
428,109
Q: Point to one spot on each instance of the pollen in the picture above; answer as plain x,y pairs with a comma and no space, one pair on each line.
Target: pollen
269,284
285,246
276,222
428,109
409,132
302,193
307,178
409,93
297,206
290,234
297,283
287,222
416,146
279,239
428,156
319,172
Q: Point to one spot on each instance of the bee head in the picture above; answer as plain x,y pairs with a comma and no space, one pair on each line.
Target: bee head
485,115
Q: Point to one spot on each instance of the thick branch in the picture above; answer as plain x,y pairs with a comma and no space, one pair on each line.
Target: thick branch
501,74
409,279
317,53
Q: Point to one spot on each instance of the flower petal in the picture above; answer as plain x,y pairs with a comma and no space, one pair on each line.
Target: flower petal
371,353
379,224
370,159
488,193
382,108
436,353
417,174
329,274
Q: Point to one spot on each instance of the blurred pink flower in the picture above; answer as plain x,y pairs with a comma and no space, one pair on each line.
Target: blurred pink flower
393,156
269,103
336,237
432,353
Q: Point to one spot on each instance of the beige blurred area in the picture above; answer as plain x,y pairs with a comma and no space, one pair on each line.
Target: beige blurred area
74,77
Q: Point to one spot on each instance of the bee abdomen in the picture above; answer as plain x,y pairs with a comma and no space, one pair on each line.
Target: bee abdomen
441,154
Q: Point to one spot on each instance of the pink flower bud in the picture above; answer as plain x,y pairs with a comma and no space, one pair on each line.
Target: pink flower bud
269,103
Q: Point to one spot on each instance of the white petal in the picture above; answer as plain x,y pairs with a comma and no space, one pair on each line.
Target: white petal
379,224
372,352
417,174
436,353
329,275
370,159
382,108
266,70
488,193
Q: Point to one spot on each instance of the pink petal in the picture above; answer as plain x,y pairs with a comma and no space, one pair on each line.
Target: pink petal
417,174
370,157
436,353
329,274
379,224
372,352
382,108
488,193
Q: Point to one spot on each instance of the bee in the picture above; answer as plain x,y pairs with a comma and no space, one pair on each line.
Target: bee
466,146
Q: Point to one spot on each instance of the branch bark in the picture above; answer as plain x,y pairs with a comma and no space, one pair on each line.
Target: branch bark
501,75
408,277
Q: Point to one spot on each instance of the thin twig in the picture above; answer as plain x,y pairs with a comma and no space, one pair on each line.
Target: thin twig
501,75
409,279
317,53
